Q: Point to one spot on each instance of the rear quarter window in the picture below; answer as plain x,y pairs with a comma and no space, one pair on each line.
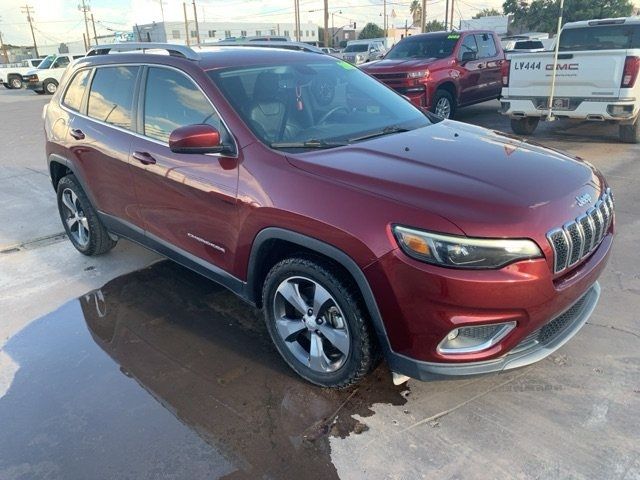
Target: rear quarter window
73,96
111,95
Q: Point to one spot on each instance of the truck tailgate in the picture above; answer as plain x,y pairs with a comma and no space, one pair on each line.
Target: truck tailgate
579,74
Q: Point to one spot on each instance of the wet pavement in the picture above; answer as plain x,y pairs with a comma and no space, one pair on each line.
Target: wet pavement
163,374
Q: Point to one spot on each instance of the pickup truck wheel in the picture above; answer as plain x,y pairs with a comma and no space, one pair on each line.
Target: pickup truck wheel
80,220
317,322
50,86
524,126
7,86
443,104
15,82
630,133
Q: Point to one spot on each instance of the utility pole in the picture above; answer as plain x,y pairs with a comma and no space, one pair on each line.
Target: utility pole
423,19
162,10
384,19
186,22
446,16
406,27
95,35
29,11
296,4
4,50
195,16
451,16
326,23
84,8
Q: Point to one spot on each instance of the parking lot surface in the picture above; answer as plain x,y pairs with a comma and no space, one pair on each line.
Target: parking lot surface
122,367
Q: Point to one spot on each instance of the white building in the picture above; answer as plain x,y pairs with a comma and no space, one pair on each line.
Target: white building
176,32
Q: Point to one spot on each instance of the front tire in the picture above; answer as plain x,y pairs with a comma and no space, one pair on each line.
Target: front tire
50,87
443,104
630,133
317,321
524,126
80,220
16,83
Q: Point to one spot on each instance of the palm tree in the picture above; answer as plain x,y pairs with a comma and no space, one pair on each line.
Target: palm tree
416,11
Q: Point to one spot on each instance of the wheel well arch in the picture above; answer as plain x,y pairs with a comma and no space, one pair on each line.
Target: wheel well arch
449,87
274,244
58,170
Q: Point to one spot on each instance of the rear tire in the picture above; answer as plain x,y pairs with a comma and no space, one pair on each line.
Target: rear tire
80,220
333,346
443,104
630,133
50,87
524,126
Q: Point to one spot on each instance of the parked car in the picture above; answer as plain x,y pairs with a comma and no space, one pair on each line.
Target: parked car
360,224
443,71
334,52
596,78
526,42
359,52
300,46
46,78
11,75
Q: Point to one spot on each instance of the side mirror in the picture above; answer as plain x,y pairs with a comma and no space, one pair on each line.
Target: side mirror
199,138
469,56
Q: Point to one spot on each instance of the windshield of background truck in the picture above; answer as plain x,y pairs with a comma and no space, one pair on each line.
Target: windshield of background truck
604,37
359,47
46,63
432,46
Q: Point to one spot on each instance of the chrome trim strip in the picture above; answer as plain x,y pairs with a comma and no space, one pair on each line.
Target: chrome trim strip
550,234
572,245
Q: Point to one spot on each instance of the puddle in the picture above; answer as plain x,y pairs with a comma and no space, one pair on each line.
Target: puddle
162,373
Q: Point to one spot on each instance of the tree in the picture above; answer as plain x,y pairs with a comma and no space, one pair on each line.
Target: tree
487,12
371,30
416,11
542,15
434,26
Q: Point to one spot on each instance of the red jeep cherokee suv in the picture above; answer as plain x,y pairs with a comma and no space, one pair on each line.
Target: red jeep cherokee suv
442,71
361,225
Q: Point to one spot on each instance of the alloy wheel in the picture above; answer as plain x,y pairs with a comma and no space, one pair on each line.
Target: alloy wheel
311,324
16,83
51,88
75,218
443,108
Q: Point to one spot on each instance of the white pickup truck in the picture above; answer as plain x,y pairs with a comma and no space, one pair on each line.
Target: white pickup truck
596,78
12,73
46,77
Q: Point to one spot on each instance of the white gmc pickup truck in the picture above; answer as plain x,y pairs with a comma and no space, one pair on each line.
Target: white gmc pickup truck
46,77
596,78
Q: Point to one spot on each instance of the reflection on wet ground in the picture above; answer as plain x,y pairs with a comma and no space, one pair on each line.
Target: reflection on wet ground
163,374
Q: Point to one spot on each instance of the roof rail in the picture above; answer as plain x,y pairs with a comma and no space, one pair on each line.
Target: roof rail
173,50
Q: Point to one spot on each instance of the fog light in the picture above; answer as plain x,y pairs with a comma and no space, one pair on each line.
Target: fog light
474,338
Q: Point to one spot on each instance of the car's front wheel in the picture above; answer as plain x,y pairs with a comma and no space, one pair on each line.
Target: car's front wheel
15,82
443,104
316,319
80,220
524,126
50,86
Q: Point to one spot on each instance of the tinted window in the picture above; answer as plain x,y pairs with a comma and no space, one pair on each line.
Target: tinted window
73,97
486,46
468,45
61,62
172,100
424,46
358,47
111,96
606,37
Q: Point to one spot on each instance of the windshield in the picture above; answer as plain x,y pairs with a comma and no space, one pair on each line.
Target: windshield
605,37
325,103
427,46
46,63
359,47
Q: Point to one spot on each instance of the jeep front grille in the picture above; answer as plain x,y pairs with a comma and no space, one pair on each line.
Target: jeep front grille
576,239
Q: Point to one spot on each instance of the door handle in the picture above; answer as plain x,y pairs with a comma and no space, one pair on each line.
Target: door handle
77,133
145,158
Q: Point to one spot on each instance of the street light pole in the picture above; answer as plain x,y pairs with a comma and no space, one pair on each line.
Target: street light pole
195,18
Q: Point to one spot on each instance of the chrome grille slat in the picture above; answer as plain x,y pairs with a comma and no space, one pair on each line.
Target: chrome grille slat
577,238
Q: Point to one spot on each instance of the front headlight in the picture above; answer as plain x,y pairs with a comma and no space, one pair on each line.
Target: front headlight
359,57
463,252
418,74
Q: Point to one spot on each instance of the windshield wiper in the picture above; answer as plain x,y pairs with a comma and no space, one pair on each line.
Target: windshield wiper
308,144
385,131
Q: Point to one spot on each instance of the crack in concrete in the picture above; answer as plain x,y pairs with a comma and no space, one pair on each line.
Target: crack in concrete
617,329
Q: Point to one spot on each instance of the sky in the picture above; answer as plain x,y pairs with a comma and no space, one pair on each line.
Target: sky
57,21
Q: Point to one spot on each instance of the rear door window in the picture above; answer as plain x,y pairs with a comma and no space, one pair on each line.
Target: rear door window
75,92
172,100
111,95
486,45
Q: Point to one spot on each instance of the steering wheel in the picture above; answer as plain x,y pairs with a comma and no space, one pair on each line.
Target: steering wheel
327,115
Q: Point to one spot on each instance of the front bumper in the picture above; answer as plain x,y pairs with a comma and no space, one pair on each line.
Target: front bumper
601,109
36,86
533,348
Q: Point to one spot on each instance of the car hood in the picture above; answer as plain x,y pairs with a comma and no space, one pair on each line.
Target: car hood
392,65
485,182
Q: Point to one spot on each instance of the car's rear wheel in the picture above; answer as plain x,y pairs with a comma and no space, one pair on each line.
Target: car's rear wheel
50,86
15,82
80,220
316,320
524,126
630,133
443,104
